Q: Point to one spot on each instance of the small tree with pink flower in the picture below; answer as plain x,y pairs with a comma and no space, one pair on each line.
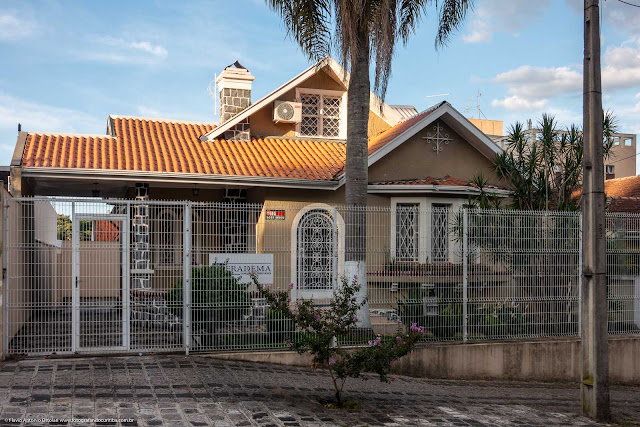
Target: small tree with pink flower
322,331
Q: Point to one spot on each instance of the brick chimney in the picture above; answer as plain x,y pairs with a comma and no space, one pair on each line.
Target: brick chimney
234,85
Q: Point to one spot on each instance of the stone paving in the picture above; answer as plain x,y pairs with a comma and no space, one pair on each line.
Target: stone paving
197,391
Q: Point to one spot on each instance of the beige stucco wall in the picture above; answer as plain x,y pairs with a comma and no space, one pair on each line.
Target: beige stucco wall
416,158
261,121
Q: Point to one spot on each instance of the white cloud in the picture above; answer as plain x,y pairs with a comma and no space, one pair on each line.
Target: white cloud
13,28
42,117
508,16
541,82
516,103
529,87
117,50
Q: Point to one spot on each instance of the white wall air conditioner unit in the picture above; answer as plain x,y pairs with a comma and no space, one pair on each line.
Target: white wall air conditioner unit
287,112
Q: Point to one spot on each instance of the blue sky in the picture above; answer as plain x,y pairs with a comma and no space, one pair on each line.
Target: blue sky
66,65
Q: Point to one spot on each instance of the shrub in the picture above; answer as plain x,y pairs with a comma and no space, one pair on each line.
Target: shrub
446,324
321,332
216,298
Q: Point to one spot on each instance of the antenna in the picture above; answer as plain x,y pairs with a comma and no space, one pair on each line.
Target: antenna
435,96
212,90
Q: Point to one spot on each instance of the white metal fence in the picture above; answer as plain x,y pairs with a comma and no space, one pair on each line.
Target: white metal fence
97,276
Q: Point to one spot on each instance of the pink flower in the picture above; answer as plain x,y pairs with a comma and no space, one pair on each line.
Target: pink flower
355,320
267,285
393,379
375,342
316,317
355,277
289,343
399,339
290,285
332,361
416,328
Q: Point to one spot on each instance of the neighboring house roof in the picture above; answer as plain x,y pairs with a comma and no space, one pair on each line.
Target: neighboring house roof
388,114
405,111
106,231
623,187
623,204
623,194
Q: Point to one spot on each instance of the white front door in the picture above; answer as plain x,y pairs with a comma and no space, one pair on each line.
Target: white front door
100,281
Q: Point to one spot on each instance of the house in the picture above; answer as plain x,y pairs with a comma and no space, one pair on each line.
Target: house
276,168
261,152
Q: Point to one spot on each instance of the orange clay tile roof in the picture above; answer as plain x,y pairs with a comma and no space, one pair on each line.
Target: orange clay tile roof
155,145
447,180
386,136
618,187
163,146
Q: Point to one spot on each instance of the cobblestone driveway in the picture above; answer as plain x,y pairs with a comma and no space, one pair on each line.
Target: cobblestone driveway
180,390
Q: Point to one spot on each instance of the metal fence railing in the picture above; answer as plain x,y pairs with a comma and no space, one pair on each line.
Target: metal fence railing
100,275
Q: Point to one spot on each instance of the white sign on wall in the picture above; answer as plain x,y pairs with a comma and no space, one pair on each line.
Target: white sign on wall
242,265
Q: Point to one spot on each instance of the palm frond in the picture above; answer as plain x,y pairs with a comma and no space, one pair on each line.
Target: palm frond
451,17
308,22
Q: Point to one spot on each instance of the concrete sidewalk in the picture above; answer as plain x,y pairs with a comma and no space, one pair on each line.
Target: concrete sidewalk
181,390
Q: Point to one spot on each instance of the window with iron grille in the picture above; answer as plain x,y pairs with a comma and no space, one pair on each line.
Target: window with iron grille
440,233
407,232
321,115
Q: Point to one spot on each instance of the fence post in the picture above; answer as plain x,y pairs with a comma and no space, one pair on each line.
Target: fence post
465,271
5,279
186,275
579,271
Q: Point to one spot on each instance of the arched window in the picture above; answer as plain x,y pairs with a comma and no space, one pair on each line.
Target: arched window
317,251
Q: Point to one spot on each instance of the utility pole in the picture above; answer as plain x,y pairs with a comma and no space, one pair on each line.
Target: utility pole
594,385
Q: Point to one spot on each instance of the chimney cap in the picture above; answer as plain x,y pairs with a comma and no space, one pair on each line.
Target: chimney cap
236,64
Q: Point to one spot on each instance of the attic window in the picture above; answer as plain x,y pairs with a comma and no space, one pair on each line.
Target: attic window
322,113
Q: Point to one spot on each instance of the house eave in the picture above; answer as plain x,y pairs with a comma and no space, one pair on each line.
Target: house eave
176,178
439,189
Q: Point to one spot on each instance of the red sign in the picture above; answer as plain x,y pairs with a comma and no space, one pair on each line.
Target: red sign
275,215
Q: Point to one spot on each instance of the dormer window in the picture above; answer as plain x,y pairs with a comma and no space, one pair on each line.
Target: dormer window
323,113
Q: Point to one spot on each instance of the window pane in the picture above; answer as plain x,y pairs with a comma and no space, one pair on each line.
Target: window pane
628,142
407,232
331,106
440,233
310,105
309,126
331,127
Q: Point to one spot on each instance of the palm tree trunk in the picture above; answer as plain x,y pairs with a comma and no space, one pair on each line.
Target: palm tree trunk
357,172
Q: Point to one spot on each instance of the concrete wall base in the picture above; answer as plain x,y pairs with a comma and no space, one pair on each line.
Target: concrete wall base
548,360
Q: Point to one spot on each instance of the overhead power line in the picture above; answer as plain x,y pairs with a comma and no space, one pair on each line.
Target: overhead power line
630,4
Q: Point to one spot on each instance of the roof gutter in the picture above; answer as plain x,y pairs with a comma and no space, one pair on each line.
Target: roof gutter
176,178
